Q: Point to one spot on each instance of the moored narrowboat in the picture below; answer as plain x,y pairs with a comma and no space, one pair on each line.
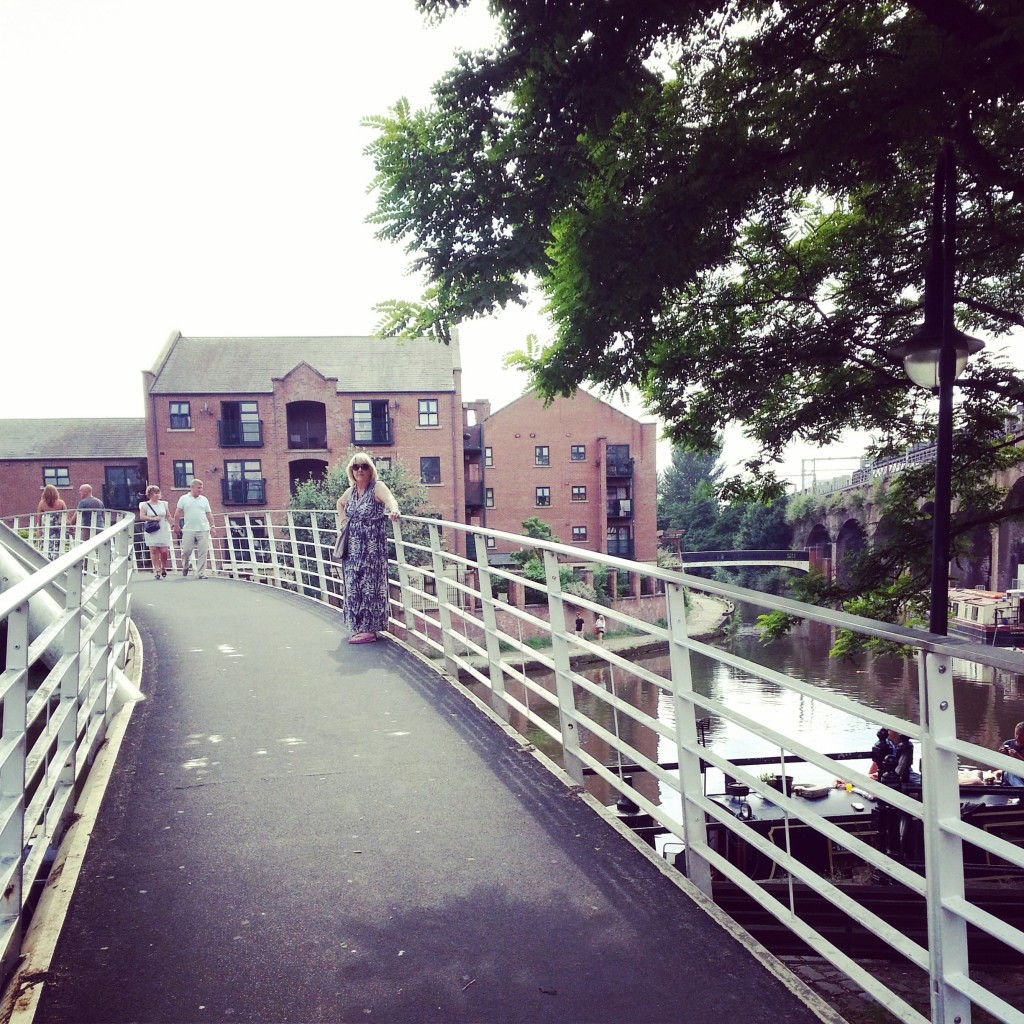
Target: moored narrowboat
991,617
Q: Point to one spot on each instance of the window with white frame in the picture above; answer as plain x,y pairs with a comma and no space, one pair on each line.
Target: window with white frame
488,456
181,416
184,472
488,497
578,453
541,455
579,493
542,497
491,542
428,412
383,465
371,422
243,483
56,475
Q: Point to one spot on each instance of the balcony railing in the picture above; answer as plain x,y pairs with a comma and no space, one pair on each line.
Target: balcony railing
233,434
474,494
316,440
620,508
243,492
619,468
621,548
378,436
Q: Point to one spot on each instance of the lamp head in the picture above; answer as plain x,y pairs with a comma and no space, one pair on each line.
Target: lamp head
921,352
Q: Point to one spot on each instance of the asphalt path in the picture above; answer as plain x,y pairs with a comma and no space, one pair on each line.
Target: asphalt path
300,830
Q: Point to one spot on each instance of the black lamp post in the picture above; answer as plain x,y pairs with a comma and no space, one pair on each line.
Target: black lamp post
934,356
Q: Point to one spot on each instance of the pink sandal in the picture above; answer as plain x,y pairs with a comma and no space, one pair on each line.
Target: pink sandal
363,638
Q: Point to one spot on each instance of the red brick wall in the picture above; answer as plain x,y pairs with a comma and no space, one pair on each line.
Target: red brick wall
513,433
21,481
201,443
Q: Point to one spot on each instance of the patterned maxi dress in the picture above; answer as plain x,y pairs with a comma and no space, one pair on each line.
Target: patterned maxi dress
366,567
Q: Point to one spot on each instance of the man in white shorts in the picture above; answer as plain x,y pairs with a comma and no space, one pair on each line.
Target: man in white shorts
193,520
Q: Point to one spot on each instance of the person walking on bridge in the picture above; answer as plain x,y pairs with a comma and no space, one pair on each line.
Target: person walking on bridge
91,510
51,509
194,524
363,510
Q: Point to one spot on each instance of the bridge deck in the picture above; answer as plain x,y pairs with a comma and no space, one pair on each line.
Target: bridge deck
300,830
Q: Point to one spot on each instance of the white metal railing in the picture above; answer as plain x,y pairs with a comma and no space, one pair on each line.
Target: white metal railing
450,607
64,641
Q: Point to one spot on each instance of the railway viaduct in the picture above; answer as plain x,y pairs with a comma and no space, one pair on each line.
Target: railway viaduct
836,518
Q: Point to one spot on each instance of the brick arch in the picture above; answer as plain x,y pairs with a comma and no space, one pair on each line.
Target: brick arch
850,541
819,547
974,569
300,470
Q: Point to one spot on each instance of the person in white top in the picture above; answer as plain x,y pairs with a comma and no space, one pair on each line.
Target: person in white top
194,522
156,514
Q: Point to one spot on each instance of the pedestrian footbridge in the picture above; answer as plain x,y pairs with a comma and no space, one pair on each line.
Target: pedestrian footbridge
290,828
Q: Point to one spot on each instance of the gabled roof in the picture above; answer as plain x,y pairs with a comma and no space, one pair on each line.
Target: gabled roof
564,405
73,439
251,365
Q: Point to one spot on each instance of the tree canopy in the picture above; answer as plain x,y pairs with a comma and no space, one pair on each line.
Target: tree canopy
725,202
727,206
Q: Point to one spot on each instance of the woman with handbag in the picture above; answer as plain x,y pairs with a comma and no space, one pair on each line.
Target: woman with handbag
155,516
363,511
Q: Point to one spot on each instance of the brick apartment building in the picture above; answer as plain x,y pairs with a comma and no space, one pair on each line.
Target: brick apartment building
581,466
253,417
110,454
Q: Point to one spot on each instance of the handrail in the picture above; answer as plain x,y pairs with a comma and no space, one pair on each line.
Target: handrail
61,682
453,608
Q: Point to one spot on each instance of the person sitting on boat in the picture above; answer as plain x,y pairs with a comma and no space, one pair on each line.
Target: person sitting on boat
1014,748
882,749
893,756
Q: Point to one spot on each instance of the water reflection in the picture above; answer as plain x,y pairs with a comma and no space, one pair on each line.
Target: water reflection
988,703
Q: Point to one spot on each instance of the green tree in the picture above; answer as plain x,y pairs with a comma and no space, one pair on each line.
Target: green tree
689,481
726,204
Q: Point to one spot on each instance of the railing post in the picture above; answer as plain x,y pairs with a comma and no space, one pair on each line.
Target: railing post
403,581
71,693
943,851
12,780
296,561
698,870
444,615
275,568
488,608
321,565
563,678
100,643
121,602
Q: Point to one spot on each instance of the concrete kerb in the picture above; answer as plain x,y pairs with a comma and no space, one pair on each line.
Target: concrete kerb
811,999
23,990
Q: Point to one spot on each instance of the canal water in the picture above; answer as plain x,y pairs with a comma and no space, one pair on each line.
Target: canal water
988,703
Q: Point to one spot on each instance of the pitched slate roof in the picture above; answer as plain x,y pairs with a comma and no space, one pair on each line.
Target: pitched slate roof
73,439
250,365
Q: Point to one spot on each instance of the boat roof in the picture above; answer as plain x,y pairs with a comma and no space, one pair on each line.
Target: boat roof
981,597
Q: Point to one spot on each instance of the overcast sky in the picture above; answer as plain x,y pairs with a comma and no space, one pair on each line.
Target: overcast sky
198,166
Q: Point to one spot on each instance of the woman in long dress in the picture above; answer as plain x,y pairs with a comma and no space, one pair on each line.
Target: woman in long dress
52,509
155,510
366,506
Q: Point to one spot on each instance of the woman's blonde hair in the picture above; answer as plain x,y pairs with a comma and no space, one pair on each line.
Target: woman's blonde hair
151,490
361,458
50,495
